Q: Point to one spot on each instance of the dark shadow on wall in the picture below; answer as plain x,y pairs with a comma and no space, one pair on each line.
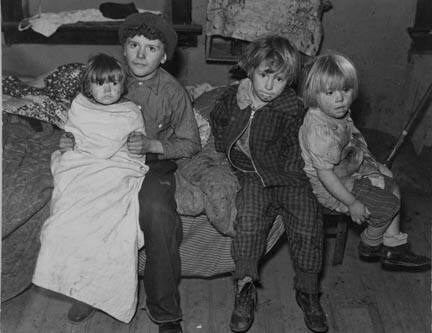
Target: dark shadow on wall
175,65
361,109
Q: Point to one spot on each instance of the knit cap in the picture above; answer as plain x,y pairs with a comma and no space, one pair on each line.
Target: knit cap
135,23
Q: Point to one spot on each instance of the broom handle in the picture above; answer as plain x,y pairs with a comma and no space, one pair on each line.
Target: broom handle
421,107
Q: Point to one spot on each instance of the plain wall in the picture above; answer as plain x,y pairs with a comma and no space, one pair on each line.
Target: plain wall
372,33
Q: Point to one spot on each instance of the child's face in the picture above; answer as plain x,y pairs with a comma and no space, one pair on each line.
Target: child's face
144,56
266,86
107,92
335,103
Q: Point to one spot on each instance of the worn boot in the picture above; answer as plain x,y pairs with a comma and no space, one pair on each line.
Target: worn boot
170,327
400,258
314,316
244,308
397,258
370,253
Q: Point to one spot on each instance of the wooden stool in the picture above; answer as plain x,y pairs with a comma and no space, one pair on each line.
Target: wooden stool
339,232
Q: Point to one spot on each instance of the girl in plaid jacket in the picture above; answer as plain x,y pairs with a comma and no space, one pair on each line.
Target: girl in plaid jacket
256,123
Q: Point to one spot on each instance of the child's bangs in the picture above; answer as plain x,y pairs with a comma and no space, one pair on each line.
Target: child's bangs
103,76
336,80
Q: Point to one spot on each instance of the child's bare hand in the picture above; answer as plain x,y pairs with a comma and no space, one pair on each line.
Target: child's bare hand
351,160
138,143
67,142
358,212
384,170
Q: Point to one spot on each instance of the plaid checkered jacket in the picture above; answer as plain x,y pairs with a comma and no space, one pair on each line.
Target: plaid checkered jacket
273,140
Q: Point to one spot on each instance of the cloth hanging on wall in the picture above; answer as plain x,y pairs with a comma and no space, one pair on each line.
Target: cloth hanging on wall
297,20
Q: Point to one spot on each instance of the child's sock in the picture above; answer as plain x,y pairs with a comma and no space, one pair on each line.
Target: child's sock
242,282
395,240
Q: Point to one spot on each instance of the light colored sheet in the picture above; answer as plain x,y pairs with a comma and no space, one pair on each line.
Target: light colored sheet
89,245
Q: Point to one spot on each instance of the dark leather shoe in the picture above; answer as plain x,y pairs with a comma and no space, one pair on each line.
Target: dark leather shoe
400,258
370,253
80,312
314,316
170,327
244,308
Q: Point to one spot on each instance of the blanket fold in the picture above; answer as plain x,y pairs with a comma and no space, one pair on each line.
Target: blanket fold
90,242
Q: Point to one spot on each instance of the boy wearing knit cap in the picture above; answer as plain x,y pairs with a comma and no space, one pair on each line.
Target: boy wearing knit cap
172,133
148,41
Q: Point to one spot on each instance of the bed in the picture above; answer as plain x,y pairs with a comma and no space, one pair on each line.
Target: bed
33,113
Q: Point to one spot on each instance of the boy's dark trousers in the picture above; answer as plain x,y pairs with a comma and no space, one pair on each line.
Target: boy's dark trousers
161,225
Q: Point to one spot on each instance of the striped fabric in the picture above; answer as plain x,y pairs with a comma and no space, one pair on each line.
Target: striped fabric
205,252
382,203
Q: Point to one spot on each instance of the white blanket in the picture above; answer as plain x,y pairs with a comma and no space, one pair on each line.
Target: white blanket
89,244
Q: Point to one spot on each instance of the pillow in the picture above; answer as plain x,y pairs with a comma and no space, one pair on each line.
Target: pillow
205,102
204,96
203,128
37,107
48,102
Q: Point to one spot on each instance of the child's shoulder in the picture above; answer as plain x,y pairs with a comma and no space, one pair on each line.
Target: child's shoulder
317,126
228,94
289,102
230,90
166,80
79,97
315,116
81,100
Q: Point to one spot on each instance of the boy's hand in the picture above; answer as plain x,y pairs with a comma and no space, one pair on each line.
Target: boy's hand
384,170
138,143
67,142
358,212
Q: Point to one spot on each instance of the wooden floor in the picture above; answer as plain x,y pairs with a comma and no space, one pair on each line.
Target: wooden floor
357,296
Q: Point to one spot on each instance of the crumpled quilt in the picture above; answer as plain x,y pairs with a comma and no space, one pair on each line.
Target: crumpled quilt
89,244
27,188
206,185
47,98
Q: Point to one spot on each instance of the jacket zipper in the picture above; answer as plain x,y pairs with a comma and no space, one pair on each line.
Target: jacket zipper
249,124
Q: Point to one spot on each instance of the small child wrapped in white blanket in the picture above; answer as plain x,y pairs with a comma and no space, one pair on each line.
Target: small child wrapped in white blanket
90,242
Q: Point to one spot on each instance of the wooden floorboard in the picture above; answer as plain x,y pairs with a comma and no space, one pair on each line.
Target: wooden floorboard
195,305
357,296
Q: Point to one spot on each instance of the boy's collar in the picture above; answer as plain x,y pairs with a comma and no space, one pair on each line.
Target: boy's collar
243,98
244,95
152,83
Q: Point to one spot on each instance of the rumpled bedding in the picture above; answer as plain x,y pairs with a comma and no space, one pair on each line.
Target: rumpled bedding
206,187
27,188
48,99
89,244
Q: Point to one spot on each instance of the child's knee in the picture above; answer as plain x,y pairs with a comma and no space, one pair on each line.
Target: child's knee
383,215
